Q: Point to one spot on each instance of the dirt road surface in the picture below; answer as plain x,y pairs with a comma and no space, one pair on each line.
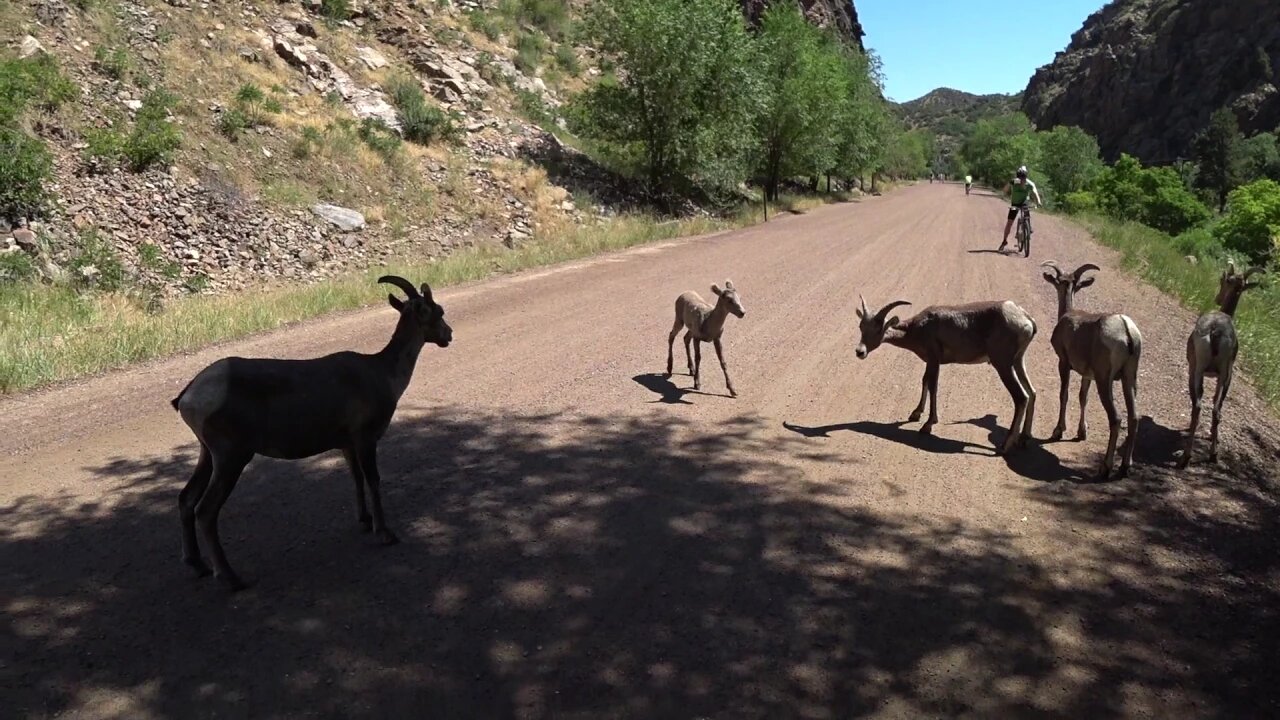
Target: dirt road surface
582,538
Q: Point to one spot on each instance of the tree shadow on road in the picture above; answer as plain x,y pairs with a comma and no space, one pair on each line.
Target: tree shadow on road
630,567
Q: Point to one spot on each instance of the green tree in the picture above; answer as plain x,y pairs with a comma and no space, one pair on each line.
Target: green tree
802,88
1153,196
1068,158
1260,157
682,107
1252,222
864,123
1217,151
997,146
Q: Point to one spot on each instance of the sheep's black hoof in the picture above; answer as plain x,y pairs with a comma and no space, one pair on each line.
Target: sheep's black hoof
913,417
366,524
1082,436
926,429
231,581
386,537
198,564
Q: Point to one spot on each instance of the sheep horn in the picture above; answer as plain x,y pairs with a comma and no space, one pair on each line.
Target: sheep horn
1252,270
884,311
863,301
1052,264
1080,271
401,283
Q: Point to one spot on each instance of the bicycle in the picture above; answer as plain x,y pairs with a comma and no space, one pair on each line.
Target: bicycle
1024,230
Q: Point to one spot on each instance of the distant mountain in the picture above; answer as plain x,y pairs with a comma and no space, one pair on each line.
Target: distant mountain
949,114
1143,76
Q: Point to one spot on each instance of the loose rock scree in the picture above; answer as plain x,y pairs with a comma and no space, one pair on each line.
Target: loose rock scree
704,323
1211,350
988,332
292,409
1101,347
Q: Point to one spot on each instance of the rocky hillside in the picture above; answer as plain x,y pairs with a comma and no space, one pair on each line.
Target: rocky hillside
1143,76
946,110
841,15
292,163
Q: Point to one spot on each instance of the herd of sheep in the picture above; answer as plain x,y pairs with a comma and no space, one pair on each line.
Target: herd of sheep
291,409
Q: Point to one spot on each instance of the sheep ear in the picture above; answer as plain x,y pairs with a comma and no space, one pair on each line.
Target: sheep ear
426,293
728,284
1050,278
715,289
396,303
1084,283
858,312
892,322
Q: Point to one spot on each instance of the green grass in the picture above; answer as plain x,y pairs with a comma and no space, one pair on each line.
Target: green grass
50,334
1153,256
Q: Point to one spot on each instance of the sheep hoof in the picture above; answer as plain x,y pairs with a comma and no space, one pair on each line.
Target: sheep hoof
1123,472
1082,436
231,581
386,537
1213,457
1184,461
198,564
366,524
733,393
913,417
926,429
1056,436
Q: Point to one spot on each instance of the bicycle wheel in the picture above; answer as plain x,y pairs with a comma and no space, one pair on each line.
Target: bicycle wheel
1026,236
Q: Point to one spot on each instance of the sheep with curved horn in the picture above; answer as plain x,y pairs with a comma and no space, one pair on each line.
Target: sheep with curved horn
1211,350
990,332
292,409
1101,347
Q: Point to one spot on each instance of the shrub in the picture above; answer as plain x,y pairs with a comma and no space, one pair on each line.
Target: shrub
529,49
380,138
1155,197
1080,202
232,122
1199,242
306,144
1252,223
103,146
335,9
154,138
251,108
112,62
33,82
16,267
96,263
1173,209
421,121
25,164
482,23
567,59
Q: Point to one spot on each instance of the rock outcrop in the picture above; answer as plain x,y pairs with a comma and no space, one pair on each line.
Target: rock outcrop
842,16
1143,76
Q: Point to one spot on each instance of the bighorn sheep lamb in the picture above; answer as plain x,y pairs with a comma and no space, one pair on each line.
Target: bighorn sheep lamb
990,332
1211,350
292,409
1102,348
704,323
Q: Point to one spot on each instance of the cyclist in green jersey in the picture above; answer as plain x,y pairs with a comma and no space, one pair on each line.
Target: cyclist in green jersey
1020,189
968,183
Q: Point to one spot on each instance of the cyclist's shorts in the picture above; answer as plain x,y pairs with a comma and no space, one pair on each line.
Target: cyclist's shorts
1013,211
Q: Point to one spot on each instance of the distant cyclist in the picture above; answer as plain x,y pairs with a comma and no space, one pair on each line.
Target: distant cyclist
968,183
1020,190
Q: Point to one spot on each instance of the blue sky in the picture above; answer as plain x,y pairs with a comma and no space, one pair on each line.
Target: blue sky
979,46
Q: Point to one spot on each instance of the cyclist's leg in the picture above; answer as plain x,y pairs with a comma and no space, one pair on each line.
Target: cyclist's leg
1013,215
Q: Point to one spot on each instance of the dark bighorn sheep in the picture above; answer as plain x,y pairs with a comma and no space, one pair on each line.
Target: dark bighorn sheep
704,323
1211,350
990,332
293,409
1101,347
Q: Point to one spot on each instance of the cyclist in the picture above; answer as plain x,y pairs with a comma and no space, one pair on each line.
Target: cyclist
968,183
1020,190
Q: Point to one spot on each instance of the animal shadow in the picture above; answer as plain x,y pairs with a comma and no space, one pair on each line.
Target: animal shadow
893,432
667,391
1032,461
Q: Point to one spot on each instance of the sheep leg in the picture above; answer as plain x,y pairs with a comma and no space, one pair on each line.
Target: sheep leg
1129,386
697,364
924,396
187,501
1083,430
362,511
227,468
1019,396
1029,414
1219,396
1197,393
932,371
1064,391
1106,394
671,341
688,355
369,468
724,368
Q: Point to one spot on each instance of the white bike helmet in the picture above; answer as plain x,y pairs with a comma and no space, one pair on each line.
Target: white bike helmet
1022,172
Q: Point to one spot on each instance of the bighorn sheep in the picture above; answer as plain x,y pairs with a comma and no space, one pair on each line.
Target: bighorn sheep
990,332
1102,348
292,409
704,323
1211,350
